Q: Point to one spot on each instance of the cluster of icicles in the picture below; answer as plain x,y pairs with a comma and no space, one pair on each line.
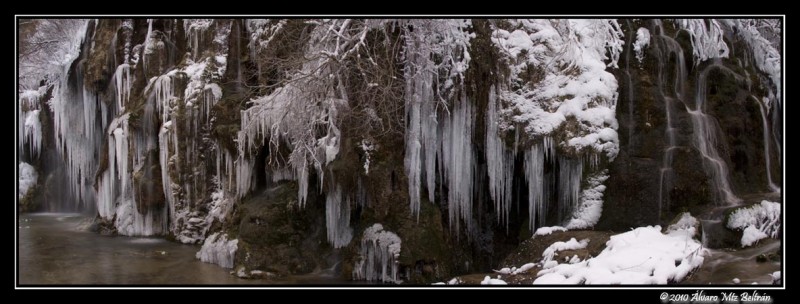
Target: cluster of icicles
434,139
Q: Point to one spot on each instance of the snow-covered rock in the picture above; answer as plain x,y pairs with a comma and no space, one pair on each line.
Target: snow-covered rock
641,256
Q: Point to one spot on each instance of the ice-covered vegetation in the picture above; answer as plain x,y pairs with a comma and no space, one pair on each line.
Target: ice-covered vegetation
757,222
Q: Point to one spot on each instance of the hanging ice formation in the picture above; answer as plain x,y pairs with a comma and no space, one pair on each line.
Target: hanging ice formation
337,214
707,38
280,118
563,122
29,126
428,137
379,256
75,121
539,111
306,102
183,116
500,164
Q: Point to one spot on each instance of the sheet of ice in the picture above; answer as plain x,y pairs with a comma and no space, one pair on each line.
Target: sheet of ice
217,249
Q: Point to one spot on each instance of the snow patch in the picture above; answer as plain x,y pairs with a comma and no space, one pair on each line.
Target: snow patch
641,256
489,281
569,56
551,251
548,230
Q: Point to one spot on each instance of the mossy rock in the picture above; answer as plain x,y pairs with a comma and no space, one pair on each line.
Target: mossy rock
276,235
29,203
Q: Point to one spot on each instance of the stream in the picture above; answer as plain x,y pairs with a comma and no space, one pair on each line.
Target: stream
56,248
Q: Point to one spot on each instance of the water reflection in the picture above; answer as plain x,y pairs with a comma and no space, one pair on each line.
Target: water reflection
56,249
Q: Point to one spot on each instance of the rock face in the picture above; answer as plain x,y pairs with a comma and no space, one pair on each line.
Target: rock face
276,236
458,137
660,165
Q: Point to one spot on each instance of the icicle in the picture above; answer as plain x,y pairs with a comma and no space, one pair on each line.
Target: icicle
212,94
106,196
32,132
412,160
164,96
707,41
164,138
459,163
121,145
337,213
148,46
430,146
122,81
380,251
302,184
244,176
534,174
420,129
89,113
115,196
499,163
